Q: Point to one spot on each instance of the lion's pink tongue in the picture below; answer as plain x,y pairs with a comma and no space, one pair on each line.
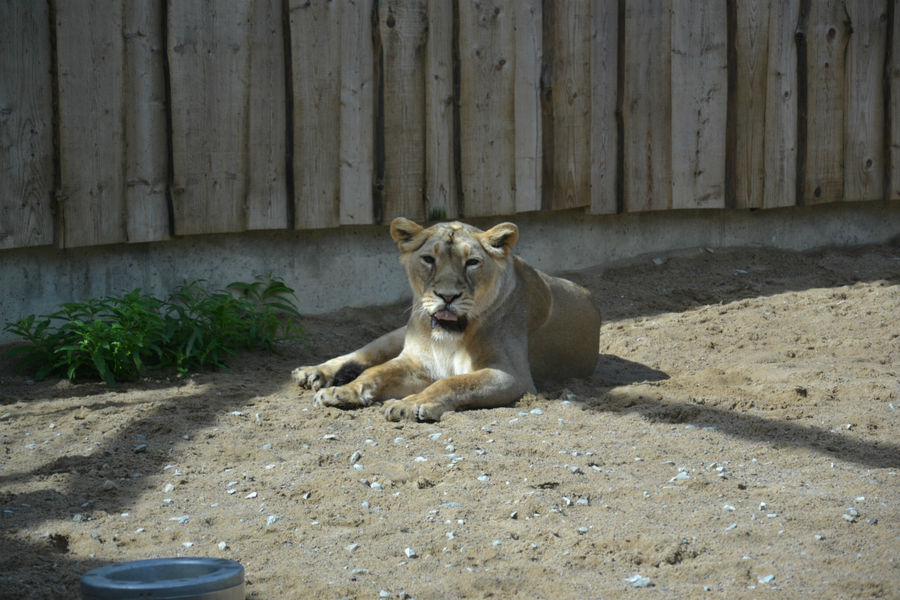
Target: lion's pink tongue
445,315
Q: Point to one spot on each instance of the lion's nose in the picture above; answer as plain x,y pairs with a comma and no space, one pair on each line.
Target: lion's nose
448,297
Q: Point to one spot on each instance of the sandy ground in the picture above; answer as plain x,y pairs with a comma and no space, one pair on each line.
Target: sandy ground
738,439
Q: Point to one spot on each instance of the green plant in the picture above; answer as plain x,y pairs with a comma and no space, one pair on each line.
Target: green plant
118,338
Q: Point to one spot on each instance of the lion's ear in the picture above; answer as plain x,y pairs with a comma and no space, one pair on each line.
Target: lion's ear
500,239
406,234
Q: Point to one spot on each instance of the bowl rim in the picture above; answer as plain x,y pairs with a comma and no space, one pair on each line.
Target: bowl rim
214,575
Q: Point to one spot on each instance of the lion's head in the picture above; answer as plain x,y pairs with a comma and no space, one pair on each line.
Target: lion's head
456,271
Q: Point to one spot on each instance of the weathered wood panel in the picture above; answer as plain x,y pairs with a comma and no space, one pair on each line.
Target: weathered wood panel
893,79
699,103
826,43
208,50
146,135
402,28
370,109
781,108
752,40
26,128
864,114
357,102
646,106
91,201
441,198
570,80
528,17
266,200
487,107
316,77
604,97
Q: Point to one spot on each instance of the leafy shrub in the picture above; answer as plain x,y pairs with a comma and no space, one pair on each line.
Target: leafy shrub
118,338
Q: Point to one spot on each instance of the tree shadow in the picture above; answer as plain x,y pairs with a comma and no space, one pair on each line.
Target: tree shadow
753,428
75,483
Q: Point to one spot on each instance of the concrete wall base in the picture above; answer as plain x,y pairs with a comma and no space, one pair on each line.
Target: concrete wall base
358,266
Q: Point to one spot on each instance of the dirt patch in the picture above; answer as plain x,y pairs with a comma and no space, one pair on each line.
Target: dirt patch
739,436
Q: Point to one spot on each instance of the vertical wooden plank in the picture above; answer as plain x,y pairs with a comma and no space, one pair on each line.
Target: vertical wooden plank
750,95
26,129
91,137
357,105
316,57
267,144
527,98
146,148
646,106
893,76
487,107
864,127
402,25
441,197
208,53
699,103
603,127
781,108
571,104
826,45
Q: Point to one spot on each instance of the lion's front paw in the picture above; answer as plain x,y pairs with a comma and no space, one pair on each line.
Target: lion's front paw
345,396
413,408
313,378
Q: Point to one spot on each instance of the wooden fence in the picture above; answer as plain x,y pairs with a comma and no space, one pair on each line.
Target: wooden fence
137,120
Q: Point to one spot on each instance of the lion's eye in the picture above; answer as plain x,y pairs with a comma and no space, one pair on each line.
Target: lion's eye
472,262
428,260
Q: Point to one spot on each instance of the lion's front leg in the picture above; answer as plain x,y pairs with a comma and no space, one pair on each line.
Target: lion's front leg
344,369
396,378
485,388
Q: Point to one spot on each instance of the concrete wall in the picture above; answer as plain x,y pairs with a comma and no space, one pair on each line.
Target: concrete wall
358,266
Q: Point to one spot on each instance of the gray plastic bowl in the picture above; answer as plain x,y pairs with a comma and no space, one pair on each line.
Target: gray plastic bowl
166,579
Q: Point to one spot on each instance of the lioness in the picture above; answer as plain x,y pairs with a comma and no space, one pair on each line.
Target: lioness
484,325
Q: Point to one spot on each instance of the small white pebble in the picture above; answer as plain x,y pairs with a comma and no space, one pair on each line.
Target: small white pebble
223,545
376,486
351,547
766,579
251,496
728,507
638,581
187,544
410,553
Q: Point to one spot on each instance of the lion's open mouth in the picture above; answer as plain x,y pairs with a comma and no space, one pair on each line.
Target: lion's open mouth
448,320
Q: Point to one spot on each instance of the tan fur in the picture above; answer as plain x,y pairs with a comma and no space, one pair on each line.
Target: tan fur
521,325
